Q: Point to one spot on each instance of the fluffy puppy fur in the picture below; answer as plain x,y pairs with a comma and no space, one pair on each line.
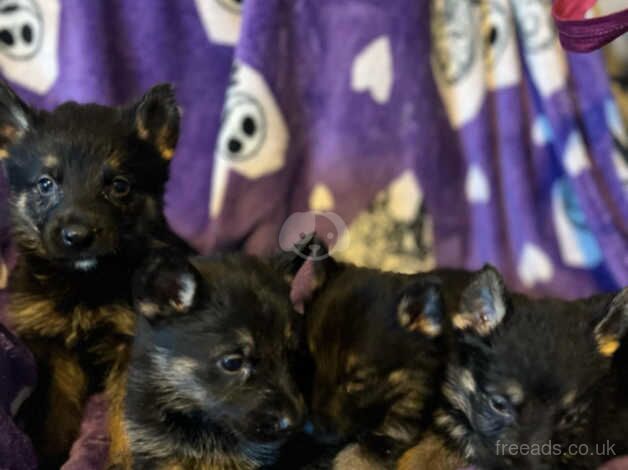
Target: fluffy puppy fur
528,373
209,383
377,342
86,185
431,453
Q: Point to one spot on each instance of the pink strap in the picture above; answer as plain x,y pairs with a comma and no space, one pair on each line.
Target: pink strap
584,35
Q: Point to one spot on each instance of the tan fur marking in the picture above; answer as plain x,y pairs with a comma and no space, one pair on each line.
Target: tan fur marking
398,377
607,345
428,327
166,152
467,380
352,458
37,321
515,392
50,160
160,140
142,132
115,160
119,448
3,154
430,454
11,133
4,274
569,399
467,320
66,397
462,321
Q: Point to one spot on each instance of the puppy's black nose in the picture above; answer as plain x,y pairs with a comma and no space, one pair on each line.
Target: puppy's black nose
76,236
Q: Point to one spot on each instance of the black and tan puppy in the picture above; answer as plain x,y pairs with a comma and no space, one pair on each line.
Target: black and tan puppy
531,380
86,186
377,341
209,383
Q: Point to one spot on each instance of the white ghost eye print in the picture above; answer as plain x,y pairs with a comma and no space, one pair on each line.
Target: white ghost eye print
21,30
29,33
243,129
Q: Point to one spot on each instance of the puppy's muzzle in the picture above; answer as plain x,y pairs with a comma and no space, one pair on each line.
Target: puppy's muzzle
77,236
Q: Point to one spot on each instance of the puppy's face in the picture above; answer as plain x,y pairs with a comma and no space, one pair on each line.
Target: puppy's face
524,371
219,360
375,340
86,180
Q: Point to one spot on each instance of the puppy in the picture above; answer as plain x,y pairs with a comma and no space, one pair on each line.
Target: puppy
86,185
209,383
527,378
377,341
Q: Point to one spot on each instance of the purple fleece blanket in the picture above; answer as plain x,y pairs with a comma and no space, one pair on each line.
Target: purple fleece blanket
408,132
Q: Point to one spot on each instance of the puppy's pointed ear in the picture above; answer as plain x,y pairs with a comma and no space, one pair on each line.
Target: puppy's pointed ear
614,326
156,118
421,308
166,285
483,303
16,117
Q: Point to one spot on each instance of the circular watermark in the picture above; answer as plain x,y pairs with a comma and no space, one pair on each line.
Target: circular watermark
298,230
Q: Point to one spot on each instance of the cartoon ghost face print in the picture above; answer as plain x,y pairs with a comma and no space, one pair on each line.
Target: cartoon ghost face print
253,134
253,138
535,24
29,31
452,36
21,29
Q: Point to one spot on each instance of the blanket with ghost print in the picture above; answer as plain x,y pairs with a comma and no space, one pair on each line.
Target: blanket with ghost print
408,133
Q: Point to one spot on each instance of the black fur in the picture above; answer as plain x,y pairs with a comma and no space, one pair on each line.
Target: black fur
182,406
86,186
377,341
531,372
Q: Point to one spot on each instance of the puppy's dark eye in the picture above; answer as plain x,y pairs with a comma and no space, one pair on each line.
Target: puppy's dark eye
232,362
500,404
120,186
46,185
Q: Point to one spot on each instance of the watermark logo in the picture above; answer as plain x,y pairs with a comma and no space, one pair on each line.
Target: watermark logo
329,226
550,448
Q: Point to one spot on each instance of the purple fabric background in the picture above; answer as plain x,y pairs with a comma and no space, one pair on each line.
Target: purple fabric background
348,140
